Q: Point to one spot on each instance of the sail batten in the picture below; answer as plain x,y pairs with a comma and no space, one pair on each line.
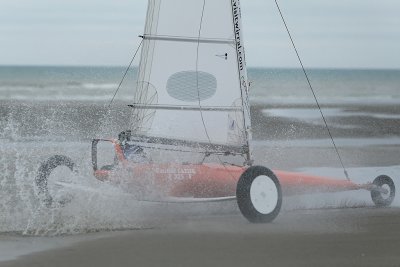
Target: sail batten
193,71
186,107
189,39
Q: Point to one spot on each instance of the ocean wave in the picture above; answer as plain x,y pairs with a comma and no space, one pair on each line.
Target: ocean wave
99,86
66,91
60,86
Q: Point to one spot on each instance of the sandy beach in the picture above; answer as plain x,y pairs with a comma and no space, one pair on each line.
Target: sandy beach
335,237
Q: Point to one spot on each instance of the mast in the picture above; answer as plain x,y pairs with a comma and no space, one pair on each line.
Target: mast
242,70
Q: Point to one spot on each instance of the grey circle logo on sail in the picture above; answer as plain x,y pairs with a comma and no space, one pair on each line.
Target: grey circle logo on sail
191,86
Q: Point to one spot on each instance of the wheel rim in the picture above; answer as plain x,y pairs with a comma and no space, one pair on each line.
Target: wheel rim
264,194
57,180
386,196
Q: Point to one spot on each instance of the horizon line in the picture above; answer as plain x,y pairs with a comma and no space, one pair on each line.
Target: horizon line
249,67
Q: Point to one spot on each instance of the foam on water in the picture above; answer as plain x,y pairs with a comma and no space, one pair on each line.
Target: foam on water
97,206
91,205
22,211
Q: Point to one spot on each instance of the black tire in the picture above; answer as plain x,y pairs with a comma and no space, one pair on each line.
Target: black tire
244,199
380,199
44,172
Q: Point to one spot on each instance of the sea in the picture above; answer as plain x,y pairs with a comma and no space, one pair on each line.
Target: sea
268,85
47,110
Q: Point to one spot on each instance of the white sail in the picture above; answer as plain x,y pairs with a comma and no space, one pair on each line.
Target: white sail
192,82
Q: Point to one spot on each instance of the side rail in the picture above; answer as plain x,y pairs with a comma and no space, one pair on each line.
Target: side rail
94,154
95,142
118,151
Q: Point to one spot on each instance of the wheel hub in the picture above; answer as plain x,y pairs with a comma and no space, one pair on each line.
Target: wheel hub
264,194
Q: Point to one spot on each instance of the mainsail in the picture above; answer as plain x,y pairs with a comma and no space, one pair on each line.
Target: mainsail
192,82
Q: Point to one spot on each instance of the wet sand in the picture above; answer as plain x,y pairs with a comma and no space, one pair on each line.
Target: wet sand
83,120
333,237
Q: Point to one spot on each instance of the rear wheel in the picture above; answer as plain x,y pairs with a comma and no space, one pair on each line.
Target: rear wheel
61,167
259,195
384,195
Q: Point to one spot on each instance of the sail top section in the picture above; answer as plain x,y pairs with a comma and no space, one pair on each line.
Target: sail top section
182,18
192,82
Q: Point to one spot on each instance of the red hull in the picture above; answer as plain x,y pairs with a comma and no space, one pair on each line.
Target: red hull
208,180
214,180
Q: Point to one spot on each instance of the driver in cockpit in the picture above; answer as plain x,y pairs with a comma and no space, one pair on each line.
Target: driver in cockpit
132,151
135,153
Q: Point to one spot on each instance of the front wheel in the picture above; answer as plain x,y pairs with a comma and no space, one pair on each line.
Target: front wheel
47,186
385,191
259,195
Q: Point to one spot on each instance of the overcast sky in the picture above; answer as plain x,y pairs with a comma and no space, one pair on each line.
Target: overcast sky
334,33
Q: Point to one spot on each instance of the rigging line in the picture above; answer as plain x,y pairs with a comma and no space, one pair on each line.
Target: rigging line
198,91
197,72
313,92
126,72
